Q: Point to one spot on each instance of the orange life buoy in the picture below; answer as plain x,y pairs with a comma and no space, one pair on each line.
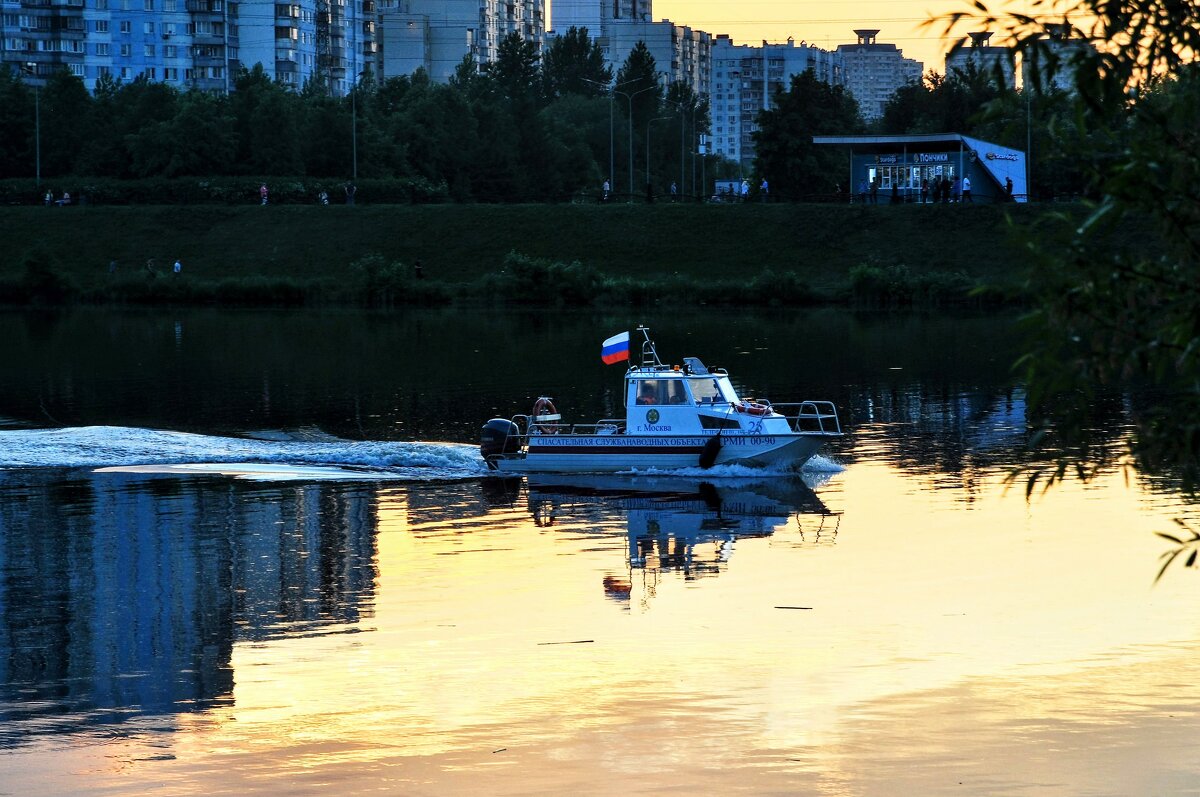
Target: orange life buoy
752,408
544,416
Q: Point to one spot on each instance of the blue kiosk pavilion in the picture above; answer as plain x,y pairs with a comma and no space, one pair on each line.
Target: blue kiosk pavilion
903,162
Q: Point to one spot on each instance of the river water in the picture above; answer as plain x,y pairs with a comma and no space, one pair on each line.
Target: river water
257,553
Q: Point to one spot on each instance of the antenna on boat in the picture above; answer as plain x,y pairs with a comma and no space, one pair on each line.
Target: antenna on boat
649,353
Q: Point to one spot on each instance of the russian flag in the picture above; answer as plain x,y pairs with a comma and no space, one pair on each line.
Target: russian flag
615,349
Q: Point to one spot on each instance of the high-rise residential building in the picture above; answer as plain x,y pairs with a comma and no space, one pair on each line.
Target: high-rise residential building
744,81
184,43
596,14
328,41
875,70
1052,61
435,35
681,54
984,57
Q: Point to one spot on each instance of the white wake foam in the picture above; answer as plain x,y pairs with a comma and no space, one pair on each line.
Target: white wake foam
114,446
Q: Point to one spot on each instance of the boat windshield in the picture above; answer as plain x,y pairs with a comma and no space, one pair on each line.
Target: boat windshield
707,390
661,391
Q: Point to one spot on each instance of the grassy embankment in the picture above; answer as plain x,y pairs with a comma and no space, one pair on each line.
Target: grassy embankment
752,254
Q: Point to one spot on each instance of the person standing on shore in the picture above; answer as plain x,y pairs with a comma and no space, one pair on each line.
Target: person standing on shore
350,191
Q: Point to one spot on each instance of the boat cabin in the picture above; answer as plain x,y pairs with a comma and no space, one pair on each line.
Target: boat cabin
687,399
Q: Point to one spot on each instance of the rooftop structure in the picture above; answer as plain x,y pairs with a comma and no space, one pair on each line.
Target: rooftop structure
984,57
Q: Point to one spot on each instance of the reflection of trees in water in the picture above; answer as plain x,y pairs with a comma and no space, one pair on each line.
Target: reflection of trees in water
123,595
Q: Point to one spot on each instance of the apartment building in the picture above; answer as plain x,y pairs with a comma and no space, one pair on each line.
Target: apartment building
435,35
985,58
186,43
681,54
744,81
874,70
331,42
1053,63
595,15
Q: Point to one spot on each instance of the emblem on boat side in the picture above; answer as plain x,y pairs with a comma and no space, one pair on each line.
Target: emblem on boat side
652,417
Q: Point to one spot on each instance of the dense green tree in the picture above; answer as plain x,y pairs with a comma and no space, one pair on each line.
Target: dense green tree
574,64
784,149
1119,312
66,108
16,125
515,73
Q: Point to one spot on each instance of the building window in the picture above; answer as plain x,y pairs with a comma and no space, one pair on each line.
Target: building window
102,26
126,50
148,28
102,5
169,51
147,5
150,73
171,73
101,71
148,51
170,5
126,73
102,48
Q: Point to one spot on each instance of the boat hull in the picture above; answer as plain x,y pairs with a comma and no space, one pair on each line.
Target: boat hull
614,453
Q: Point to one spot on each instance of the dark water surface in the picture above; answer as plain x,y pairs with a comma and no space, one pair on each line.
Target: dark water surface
257,552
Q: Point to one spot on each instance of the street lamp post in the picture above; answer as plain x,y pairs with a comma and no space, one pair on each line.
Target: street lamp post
354,126
31,69
629,96
612,157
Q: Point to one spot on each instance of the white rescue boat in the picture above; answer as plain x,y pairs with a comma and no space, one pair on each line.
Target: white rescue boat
681,416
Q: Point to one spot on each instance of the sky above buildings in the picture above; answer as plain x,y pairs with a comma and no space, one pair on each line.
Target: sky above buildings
825,23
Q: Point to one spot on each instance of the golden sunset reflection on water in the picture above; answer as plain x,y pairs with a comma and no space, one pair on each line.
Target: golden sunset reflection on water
932,645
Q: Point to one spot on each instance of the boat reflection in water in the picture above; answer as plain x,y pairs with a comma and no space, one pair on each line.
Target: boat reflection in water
681,525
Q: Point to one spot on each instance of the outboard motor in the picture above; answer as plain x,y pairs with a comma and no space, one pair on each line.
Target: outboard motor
499,436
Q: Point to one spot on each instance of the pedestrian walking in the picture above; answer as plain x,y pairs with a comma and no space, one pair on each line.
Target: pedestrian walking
924,190
263,193
351,190
606,188
763,190
862,192
966,190
178,268
1008,188
674,192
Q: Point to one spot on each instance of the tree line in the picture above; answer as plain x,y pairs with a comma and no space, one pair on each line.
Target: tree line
531,126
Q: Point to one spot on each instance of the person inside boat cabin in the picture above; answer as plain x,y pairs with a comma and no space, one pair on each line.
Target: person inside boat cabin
662,391
648,392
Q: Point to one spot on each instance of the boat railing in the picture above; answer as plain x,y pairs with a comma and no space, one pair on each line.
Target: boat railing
529,428
811,416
